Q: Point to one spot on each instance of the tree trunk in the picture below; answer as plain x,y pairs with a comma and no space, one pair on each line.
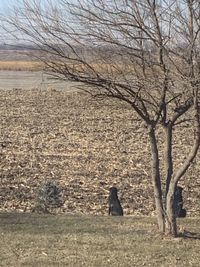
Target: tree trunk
168,156
156,180
171,225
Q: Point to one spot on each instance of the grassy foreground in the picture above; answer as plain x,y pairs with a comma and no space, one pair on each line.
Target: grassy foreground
77,240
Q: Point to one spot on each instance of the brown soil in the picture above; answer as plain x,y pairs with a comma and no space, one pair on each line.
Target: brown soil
86,146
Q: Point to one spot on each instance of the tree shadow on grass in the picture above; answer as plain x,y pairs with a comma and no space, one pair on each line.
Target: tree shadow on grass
190,235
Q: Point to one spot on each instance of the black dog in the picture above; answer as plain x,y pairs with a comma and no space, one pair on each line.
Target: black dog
115,208
178,203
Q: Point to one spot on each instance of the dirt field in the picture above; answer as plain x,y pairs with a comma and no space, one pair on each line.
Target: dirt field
86,146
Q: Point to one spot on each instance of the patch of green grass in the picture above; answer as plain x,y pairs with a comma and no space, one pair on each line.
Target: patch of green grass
78,240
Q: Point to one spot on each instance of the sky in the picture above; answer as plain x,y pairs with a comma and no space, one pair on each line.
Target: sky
8,5
5,4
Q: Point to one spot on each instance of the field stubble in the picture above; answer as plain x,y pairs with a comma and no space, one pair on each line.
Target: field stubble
86,146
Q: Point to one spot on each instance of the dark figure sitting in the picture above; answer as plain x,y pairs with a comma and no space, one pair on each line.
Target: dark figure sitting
115,208
178,203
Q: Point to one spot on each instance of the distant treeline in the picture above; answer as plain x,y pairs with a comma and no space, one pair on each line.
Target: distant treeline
19,47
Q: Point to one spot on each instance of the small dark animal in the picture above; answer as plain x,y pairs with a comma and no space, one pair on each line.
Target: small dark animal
178,203
115,208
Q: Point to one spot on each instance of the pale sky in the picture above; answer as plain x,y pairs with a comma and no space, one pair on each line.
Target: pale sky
5,4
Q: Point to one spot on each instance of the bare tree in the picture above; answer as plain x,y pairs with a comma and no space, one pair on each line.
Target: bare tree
143,52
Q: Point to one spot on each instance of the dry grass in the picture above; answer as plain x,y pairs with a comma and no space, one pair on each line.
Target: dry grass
24,65
103,68
86,146
21,65
44,240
